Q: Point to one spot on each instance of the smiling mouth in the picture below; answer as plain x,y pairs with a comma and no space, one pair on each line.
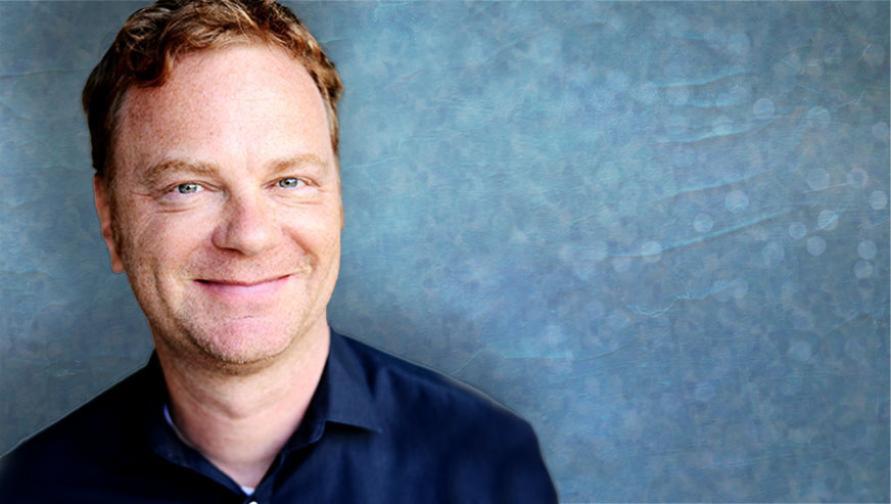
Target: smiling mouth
240,283
244,291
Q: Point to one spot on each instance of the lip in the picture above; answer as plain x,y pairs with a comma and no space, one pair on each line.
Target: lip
239,291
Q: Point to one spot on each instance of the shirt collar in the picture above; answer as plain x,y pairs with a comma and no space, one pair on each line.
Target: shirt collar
343,396
350,399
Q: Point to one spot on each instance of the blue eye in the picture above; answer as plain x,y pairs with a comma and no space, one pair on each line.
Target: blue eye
188,188
290,182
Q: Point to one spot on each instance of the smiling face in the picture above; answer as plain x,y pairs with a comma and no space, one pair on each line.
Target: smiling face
225,208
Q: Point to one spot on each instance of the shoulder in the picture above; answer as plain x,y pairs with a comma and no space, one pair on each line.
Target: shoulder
80,446
401,387
436,421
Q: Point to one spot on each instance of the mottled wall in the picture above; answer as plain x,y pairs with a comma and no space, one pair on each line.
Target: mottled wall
658,231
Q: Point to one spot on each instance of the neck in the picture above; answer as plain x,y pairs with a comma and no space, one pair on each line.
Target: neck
241,421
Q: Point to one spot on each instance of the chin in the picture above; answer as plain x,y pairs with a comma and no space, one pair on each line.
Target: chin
243,343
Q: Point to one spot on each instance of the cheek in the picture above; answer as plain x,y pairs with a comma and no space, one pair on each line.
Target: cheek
322,236
315,227
154,240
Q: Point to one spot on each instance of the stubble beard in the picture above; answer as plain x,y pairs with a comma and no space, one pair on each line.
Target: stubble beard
201,339
180,335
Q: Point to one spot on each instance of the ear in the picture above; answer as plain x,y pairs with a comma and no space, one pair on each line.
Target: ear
101,198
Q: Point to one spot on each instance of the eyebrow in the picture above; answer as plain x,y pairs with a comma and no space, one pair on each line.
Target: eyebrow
299,161
156,172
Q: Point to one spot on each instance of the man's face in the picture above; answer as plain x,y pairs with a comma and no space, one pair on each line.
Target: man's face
227,208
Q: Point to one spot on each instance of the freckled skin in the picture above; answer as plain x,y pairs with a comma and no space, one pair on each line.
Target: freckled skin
238,110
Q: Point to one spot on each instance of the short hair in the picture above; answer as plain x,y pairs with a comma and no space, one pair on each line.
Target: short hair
146,47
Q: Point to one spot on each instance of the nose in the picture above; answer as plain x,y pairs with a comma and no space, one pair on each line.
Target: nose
248,225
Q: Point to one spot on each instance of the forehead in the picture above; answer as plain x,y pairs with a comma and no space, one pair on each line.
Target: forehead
248,97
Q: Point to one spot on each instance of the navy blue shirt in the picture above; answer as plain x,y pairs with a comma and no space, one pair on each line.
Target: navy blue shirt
378,429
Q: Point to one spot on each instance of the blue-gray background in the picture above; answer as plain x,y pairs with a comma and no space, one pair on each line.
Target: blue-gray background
658,231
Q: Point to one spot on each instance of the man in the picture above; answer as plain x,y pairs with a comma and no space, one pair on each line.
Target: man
214,135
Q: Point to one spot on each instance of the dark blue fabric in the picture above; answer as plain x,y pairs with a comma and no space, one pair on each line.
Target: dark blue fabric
378,429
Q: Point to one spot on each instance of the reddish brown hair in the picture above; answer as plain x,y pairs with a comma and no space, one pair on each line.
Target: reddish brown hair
145,50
